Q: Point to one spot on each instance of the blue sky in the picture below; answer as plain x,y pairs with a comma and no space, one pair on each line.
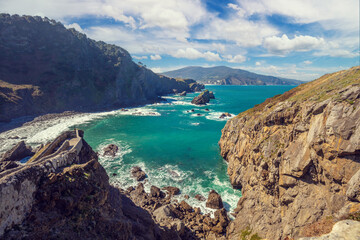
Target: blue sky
300,39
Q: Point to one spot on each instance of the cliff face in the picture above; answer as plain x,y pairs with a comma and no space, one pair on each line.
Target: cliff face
296,158
45,67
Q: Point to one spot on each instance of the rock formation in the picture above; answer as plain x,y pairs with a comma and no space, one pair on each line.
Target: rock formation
224,115
138,173
111,150
63,192
183,93
214,200
296,157
203,98
46,68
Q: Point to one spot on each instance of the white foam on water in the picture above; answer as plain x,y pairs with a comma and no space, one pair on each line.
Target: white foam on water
195,124
216,116
45,131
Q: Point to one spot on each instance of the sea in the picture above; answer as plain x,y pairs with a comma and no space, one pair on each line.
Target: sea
174,142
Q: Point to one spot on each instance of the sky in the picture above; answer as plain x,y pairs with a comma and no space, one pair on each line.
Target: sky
298,39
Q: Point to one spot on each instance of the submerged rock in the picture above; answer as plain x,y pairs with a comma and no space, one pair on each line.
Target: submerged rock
111,150
214,200
224,115
200,197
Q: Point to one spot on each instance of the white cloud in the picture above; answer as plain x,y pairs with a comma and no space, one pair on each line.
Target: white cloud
258,64
140,57
284,45
235,59
155,57
192,53
307,62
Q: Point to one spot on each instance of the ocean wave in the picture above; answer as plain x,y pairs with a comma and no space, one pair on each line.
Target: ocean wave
216,116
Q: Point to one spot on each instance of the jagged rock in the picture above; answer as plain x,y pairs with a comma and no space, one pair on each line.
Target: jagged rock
353,189
206,109
163,213
183,93
156,192
185,206
224,115
346,229
186,196
111,150
17,153
214,200
200,197
172,190
202,99
221,221
138,173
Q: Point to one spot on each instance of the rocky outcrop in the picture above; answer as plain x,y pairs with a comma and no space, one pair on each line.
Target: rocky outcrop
63,193
203,98
111,150
18,152
296,157
46,68
183,93
225,115
172,190
214,200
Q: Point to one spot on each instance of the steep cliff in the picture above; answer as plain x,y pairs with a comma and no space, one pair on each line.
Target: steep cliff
296,158
45,67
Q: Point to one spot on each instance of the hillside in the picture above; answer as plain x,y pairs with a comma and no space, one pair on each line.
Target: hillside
296,158
45,68
228,76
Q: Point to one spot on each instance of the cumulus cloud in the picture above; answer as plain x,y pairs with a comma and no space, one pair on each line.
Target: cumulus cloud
307,62
235,59
257,63
284,45
155,57
192,53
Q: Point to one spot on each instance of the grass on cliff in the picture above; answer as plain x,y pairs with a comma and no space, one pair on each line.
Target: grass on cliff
318,90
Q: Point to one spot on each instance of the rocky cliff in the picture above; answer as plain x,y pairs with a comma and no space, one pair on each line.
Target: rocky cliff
45,67
296,158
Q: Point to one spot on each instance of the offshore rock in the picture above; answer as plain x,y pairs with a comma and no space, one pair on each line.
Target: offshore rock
111,150
214,200
172,190
296,157
138,173
203,98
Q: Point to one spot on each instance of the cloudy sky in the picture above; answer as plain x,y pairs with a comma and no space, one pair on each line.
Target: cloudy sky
300,39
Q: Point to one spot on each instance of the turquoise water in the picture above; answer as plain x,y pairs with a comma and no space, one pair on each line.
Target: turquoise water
173,145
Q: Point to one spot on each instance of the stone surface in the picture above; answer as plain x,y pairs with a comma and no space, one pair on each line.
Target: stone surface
296,157
345,230
214,200
172,190
224,115
200,197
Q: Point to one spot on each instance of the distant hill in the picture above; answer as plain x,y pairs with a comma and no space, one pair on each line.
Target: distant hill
222,75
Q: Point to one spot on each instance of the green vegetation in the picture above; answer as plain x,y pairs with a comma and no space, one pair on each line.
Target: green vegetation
246,234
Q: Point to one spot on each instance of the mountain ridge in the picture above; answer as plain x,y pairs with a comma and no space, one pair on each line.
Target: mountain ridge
223,75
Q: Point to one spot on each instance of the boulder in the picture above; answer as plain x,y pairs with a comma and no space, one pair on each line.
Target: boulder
214,200
163,213
156,192
172,190
185,206
111,150
183,93
200,197
353,189
138,173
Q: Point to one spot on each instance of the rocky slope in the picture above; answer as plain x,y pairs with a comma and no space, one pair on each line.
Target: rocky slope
62,192
296,158
46,68
222,75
